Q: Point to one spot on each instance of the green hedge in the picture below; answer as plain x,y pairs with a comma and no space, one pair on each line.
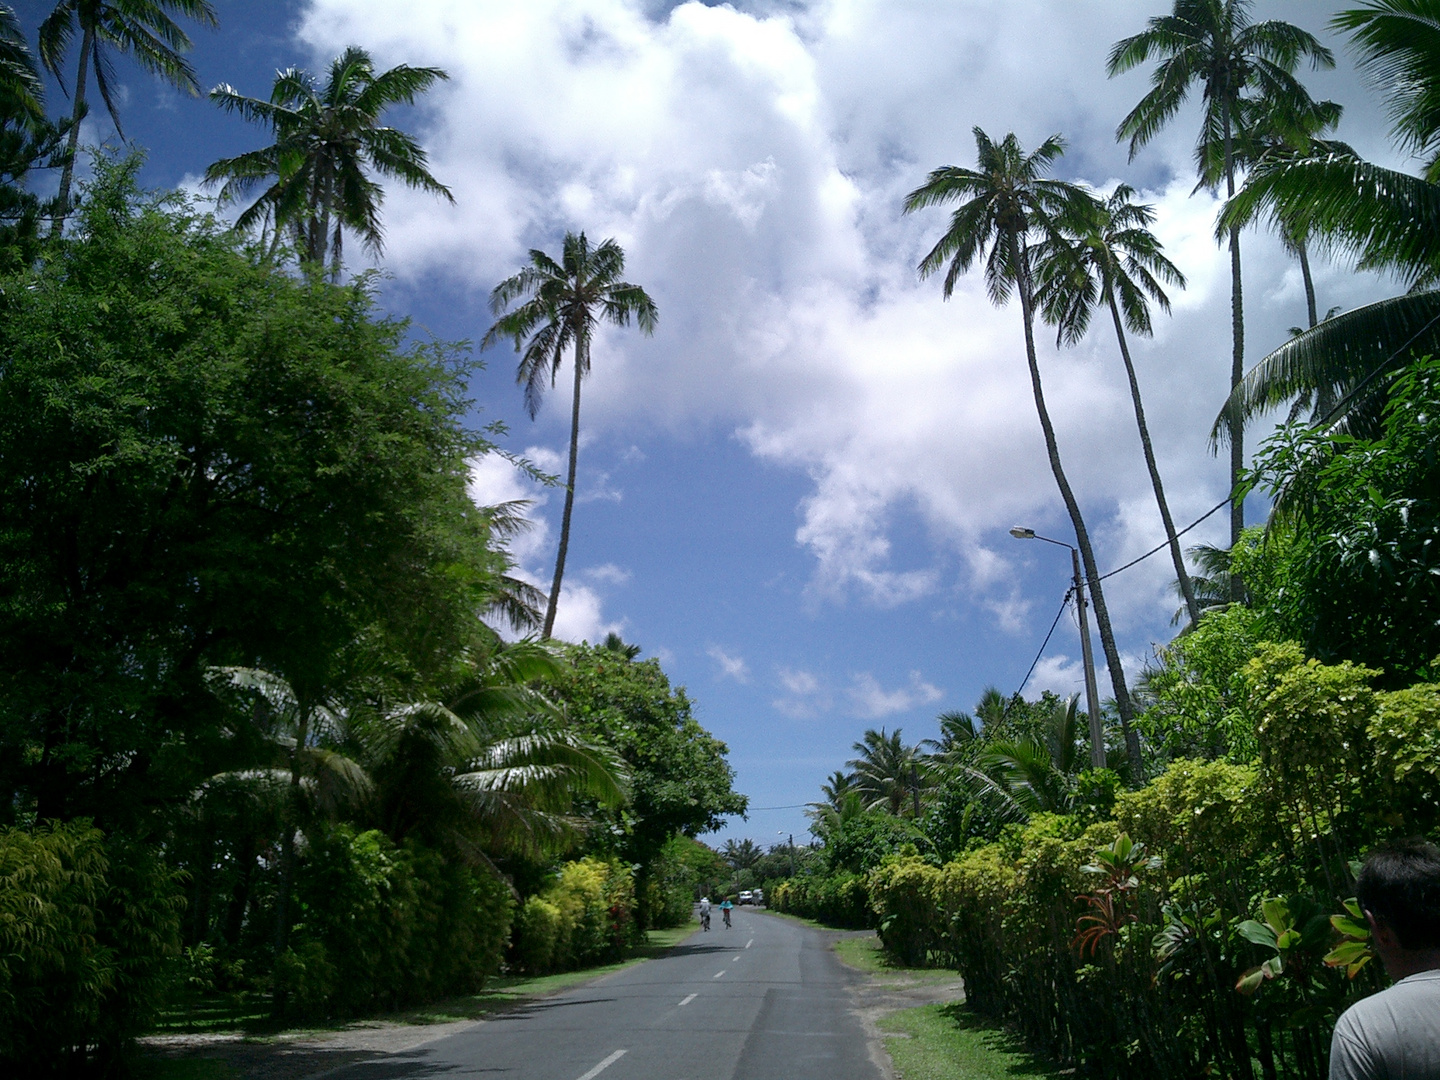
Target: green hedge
380,926
585,917
1188,935
838,899
86,927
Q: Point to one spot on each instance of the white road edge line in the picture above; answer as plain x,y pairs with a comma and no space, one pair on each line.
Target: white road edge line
750,942
598,1069
715,976
689,999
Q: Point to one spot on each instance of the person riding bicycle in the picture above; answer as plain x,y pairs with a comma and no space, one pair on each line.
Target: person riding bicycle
704,913
725,907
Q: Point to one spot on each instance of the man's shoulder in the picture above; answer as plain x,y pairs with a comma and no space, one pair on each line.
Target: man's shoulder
1395,1032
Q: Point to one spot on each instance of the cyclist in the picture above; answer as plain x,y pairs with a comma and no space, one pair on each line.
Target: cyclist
705,913
725,907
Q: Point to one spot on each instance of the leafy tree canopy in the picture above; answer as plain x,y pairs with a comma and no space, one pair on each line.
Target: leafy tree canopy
207,462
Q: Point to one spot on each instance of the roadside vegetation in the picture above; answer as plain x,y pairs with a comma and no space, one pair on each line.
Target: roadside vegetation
285,738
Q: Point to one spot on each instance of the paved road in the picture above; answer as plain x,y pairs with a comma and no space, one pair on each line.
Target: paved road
766,1000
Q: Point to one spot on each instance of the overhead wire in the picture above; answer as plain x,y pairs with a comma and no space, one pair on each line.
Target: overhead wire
1063,605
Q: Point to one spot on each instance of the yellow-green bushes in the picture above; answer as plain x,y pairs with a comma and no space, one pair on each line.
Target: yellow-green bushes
586,916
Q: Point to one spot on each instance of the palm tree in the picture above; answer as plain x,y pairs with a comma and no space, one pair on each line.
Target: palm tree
328,140
837,788
742,855
1385,219
142,28
1006,204
1109,256
22,96
1215,45
887,772
310,732
1268,136
563,304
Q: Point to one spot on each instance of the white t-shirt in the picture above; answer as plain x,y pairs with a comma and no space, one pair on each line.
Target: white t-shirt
704,907
1392,1035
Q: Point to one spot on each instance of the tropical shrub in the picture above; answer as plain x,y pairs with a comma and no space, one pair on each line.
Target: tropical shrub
586,916
838,899
380,925
902,893
86,928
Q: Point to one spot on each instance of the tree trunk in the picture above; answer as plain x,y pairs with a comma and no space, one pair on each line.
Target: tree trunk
287,843
1303,255
1186,589
1082,537
580,349
1237,355
72,141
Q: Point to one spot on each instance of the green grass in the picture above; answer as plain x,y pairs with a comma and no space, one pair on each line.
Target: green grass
866,954
948,1042
801,920
251,1012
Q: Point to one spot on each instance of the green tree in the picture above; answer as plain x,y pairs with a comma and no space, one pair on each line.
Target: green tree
1110,257
142,28
1006,205
742,854
681,782
28,141
206,462
328,140
1215,45
562,305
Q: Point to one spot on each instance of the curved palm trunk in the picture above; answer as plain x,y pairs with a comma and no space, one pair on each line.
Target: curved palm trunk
72,141
1082,536
1186,588
569,493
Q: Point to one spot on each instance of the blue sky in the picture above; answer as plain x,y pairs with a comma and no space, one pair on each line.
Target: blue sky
796,494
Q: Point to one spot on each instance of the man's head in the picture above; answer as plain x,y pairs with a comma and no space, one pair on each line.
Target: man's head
1399,889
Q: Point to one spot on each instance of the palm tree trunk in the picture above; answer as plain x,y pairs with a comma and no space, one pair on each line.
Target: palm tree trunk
287,842
1303,255
1082,536
1237,352
1186,589
569,492
72,141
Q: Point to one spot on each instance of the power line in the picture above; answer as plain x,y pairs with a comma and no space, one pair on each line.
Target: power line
1063,605
792,806
1165,543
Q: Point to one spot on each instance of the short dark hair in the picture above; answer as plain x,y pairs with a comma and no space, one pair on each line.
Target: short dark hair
1399,885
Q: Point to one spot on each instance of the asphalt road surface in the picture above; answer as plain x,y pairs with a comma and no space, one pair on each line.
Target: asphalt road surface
765,1000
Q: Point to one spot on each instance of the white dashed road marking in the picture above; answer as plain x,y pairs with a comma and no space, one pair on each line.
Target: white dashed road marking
689,999
598,1069
715,976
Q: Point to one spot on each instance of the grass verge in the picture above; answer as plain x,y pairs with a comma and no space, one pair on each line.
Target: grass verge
250,1012
865,953
801,920
949,1042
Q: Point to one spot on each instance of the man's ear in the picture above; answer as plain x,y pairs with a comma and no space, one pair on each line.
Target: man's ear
1381,932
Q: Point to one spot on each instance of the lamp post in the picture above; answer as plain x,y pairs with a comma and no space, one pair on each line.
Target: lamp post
1092,696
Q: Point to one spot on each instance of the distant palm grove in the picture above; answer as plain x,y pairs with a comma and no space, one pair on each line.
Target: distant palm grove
285,734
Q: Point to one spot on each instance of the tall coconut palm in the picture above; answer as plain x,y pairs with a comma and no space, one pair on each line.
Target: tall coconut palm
563,303
1006,205
142,28
1269,134
22,96
1110,257
328,142
1385,219
1214,44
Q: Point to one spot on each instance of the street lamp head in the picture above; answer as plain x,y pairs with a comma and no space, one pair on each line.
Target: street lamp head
1019,532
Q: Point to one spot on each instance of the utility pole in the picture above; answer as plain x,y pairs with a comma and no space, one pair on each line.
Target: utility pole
1092,695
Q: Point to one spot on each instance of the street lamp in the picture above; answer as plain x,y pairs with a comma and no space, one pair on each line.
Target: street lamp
1092,696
